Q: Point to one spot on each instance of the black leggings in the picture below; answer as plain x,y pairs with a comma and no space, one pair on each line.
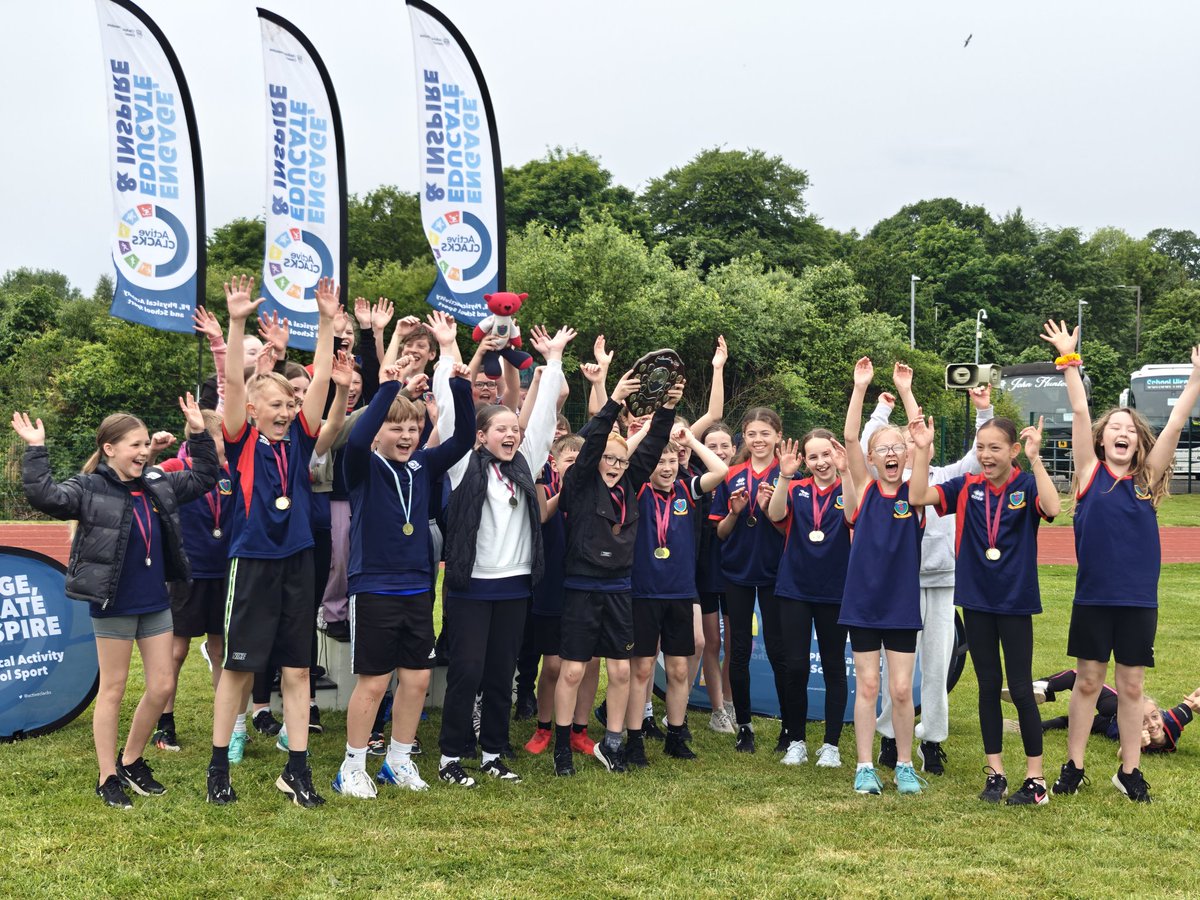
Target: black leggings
796,618
485,637
1106,703
986,634
739,603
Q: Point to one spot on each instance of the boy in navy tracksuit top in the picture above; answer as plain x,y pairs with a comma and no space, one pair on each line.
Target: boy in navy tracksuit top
599,497
391,606
664,587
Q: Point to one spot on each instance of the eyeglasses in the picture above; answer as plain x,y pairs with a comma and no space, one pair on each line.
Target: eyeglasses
616,462
894,449
485,386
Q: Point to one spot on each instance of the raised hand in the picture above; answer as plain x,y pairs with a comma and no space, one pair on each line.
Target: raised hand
682,435
410,364
394,371
864,372
32,433
1060,336
902,377
841,461
558,343
441,324
738,500
603,356
981,397
1196,361
206,323
341,321
675,394
266,360
458,370
593,372
161,440
1032,436
329,303
721,356
362,312
191,412
789,458
764,494
417,385
381,313
238,293
539,340
921,430
627,384
405,327
888,398
274,331
343,369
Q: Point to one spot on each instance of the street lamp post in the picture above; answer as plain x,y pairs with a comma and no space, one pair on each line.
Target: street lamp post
912,310
1137,331
980,314
1079,343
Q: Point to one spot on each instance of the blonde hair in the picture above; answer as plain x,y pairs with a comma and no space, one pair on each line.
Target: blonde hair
111,430
404,410
1160,488
566,444
212,422
260,382
615,438
874,439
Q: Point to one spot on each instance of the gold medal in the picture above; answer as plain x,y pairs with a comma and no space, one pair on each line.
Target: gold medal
751,521
616,529
149,562
283,502
217,533
662,552
992,553
407,528
816,535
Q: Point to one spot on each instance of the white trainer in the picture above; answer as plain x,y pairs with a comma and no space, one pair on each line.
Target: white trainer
829,757
796,755
720,722
354,783
403,774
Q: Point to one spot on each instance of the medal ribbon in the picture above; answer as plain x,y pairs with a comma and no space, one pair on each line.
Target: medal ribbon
512,491
405,505
992,522
147,527
618,499
752,490
662,516
281,464
213,499
819,513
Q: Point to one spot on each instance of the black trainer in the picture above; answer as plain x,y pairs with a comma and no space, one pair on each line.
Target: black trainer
564,763
887,752
1132,785
687,732
745,739
139,777
266,724
299,787
933,757
996,787
1070,779
220,791
635,753
314,720
651,731
1032,793
164,739
526,706
453,773
613,760
498,770
676,746
781,745
113,794
602,714
416,747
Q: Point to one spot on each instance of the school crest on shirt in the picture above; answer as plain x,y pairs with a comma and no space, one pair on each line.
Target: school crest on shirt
901,510
839,502
1141,492
225,486
1016,500
679,507
414,465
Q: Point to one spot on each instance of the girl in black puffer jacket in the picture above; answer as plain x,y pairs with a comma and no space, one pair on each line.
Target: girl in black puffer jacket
126,547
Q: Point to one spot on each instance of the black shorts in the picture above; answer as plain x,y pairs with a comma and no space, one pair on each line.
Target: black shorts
712,601
198,606
269,618
389,632
547,634
898,640
670,620
1124,632
596,623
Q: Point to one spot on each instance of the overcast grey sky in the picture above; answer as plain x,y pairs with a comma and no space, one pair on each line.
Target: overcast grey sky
1081,113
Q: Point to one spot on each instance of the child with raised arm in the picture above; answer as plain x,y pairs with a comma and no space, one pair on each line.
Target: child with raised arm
391,606
128,545
1122,473
882,602
268,618
996,580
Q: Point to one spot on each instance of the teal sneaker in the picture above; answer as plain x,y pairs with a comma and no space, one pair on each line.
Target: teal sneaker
866,781
907,779
281,743
237,747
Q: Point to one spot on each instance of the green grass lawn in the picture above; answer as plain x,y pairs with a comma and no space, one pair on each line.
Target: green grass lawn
726,825
1177,509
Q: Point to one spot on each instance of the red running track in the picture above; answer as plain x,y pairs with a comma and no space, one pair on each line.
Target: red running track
1056,546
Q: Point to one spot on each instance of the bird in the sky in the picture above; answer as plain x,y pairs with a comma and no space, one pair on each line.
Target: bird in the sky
968,40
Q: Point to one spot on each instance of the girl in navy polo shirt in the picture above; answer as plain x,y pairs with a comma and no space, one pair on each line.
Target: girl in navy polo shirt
881,604
995,580
749,562
1122,473
711,585
812,577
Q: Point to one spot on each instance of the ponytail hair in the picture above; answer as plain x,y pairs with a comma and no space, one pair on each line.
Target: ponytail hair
1005,426
816,434
111,430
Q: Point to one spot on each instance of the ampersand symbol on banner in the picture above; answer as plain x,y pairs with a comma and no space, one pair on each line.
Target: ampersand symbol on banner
126,182
433,192
279,206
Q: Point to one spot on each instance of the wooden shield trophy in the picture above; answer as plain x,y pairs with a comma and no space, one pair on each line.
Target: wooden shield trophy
659,371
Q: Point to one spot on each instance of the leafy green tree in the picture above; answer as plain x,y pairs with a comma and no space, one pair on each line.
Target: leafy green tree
385,225
1169,341
1109,375
26,315
238,246
564,185
1180,245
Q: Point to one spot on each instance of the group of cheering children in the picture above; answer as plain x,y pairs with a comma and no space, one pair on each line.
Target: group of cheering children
597,545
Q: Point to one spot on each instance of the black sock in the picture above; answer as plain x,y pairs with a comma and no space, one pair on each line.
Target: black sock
674,729
577,728
562,736
297,761
220,758
166,722
543,726
634,735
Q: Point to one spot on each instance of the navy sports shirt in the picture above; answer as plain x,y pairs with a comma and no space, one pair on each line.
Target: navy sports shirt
814,570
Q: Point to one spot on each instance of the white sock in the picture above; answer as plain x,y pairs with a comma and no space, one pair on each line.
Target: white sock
312,702
862,766
446,760
239,724
489,757
356,758
399,754
649,710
